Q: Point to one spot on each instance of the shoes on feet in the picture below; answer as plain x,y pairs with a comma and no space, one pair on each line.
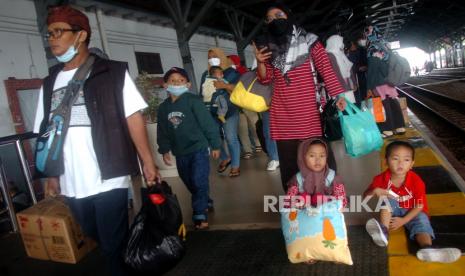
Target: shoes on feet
439,255
378,232
247,155
223,166
387,134
400,131
234,172
272,165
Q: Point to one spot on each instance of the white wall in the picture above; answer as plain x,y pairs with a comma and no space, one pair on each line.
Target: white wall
22,54
21,51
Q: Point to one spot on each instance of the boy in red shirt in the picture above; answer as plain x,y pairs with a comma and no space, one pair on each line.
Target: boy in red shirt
404,192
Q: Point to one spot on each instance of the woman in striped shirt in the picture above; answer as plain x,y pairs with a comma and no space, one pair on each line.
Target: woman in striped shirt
285,60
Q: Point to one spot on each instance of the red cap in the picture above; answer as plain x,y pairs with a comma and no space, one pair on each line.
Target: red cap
69,15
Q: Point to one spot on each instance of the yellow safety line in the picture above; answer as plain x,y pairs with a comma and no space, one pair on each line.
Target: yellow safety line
411,266
446,204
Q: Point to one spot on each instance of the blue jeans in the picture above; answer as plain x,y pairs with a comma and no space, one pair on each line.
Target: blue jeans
104,218
230,131
270,144
194,169
419,224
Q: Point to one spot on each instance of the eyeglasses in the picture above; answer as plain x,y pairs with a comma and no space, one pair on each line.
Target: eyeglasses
278,15
57,33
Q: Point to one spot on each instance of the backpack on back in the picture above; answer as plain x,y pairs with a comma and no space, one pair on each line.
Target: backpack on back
399,70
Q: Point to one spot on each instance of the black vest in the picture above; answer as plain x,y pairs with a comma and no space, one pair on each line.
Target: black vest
103,95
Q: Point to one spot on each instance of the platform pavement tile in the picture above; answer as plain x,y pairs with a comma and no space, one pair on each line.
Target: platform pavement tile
446,204
397,245
410,265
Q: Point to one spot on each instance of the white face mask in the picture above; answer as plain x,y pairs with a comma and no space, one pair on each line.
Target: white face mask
362,42
214,61
233,66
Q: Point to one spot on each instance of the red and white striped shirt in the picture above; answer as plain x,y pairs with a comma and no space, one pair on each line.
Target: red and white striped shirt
294,112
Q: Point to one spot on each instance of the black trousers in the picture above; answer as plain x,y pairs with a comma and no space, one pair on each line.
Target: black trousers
104,217
287,152
394,117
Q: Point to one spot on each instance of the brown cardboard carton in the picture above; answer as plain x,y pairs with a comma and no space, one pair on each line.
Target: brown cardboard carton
49,232
403,107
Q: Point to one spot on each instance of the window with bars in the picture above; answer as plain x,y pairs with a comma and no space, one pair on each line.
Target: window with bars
149,62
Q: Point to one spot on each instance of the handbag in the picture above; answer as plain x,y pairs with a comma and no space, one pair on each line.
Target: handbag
329,113
250,94
49,149
375,106
361,134
330,121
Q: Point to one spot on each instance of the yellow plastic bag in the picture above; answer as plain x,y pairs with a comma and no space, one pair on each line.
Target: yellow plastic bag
243,98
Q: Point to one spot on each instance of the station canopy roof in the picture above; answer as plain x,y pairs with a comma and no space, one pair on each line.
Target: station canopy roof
420,23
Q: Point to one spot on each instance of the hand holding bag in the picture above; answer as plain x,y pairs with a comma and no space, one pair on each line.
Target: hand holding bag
361,134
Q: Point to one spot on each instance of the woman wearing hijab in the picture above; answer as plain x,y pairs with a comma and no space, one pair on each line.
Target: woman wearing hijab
342,65
216,57
378,55
285,60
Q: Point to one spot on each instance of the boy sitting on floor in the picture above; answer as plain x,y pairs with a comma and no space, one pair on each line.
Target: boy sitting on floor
405,193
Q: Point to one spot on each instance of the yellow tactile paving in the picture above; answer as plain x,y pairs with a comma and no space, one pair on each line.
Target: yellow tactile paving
446,204
397,245
411,266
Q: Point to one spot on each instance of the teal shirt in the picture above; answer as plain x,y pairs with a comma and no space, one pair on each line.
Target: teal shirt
186,126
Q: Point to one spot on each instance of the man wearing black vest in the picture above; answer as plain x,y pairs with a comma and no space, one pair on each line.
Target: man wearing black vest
105,134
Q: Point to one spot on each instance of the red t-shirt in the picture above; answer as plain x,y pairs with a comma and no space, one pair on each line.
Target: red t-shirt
411,192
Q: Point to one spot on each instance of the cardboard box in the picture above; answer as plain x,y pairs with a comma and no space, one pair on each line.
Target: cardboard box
49,232
403,107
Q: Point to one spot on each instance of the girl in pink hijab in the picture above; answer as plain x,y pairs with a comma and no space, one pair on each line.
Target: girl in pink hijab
315,180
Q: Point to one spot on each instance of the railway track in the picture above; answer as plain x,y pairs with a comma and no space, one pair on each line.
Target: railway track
445,117
452,110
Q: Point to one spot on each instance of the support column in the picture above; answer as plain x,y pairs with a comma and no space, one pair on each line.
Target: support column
463,54
187,60
101,30
185,30
237,24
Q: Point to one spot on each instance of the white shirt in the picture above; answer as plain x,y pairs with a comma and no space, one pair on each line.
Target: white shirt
82,176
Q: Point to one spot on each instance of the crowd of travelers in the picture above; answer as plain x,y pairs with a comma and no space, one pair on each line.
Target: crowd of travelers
106,132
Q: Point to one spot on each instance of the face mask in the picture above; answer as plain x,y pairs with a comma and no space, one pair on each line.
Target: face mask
279,27
214,61
177,90
362,42
69,54
233,66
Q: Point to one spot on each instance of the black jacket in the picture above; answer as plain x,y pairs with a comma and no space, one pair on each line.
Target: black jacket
103,95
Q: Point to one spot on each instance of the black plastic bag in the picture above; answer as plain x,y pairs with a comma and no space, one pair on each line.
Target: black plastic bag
154,246
330,121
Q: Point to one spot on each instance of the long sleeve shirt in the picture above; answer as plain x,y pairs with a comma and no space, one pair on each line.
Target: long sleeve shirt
186,126
294,113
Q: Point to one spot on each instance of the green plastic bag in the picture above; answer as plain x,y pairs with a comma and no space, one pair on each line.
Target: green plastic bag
360,132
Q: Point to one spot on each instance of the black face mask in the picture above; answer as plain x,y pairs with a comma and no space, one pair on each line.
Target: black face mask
279,27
